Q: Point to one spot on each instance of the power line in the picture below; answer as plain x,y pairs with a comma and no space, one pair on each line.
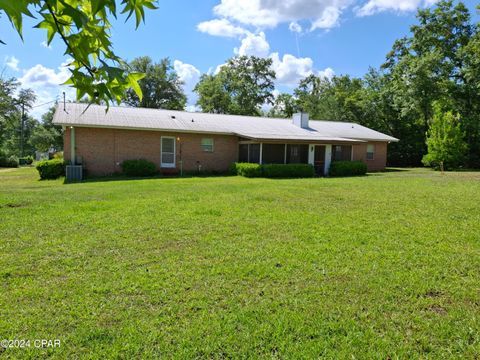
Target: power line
49,102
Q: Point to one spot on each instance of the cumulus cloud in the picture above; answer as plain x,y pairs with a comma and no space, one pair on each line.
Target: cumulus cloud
295,27
326,73
221,27
46,82
290,69
328,20
376,6
270,13
12,62
254,45
189,75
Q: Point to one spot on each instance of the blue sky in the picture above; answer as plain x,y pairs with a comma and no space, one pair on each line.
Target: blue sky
301,36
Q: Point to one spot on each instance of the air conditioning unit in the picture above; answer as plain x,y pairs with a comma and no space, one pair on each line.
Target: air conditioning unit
74,172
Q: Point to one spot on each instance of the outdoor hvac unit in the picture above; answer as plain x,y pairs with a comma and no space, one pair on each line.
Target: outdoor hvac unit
74,172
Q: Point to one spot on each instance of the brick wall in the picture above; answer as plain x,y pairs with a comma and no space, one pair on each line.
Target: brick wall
380,157
101,151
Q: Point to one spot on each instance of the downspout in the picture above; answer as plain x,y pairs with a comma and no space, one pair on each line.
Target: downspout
72,146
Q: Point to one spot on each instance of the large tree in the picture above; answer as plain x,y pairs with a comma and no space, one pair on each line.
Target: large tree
432,65
84,27
161,87
241,87
47,135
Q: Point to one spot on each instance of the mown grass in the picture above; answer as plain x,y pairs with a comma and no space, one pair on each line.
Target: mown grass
376,267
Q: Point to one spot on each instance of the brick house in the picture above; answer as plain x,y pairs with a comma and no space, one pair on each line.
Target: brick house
182,141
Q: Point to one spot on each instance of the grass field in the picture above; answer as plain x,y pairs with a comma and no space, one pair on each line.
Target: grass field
376,267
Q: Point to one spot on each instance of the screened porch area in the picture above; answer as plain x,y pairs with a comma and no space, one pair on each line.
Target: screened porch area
318,155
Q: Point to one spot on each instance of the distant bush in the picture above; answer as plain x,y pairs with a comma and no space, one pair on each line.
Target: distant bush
58,155
10,162
248,169
26,160
288,171
138,167
51,169
272,170
347,168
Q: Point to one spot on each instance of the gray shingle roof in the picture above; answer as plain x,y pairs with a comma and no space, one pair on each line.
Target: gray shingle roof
244,126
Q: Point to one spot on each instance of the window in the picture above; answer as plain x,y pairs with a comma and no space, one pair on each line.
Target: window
297,154
207,144
370,151
249,153
273,153
341,153
167,152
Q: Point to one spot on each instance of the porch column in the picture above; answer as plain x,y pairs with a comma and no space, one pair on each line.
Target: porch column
311,154
72,145
261,153
328,158
285,155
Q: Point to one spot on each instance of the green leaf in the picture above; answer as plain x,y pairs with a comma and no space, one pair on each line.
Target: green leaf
15,10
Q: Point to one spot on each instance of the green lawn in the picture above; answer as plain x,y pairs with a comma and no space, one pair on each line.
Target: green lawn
376,267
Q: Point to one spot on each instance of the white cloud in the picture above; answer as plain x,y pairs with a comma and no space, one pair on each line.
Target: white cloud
46,83
329,19
270,13
12,62
326,73
290,69
254,45
221,27
295,27
46,45
376,6
189,75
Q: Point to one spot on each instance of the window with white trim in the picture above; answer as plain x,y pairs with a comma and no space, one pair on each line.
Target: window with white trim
207,144
167,152
370,151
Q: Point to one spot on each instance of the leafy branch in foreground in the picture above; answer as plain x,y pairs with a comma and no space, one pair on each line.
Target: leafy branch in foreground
84,27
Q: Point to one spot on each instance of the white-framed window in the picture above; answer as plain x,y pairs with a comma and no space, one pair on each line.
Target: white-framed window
167,152
370,151
207,144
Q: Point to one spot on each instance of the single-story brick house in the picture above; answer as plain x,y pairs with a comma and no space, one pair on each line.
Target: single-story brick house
183,141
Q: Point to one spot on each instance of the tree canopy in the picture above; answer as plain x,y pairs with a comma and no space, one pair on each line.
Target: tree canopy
161,87
84,28
241,87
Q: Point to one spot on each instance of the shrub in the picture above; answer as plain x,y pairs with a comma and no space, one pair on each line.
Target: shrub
10,162
272,170
58,155
288,171
248,169
138,167
51,169
27,160
347,168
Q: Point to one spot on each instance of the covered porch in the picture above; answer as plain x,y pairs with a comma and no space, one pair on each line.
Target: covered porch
320,155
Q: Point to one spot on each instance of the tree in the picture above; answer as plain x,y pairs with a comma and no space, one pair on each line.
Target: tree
161,87
445,141
47,135
26,99
84,28
241,87
433,65
285,105
213,97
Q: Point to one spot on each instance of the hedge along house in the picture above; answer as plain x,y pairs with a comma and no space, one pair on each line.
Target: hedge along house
177,141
